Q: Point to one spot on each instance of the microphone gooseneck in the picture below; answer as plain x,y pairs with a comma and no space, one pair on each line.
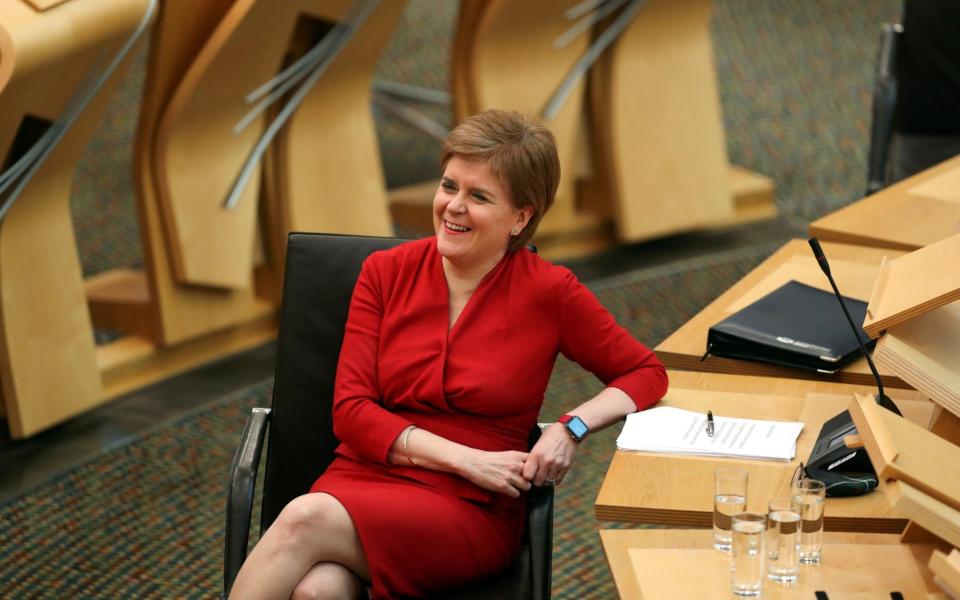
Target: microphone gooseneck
882,399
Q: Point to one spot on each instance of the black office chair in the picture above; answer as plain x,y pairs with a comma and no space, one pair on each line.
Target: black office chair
321,271
884,109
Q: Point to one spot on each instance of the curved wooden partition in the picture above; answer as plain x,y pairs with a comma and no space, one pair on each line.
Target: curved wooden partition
198,154
328,174
658,129
48,365
171,313
504,58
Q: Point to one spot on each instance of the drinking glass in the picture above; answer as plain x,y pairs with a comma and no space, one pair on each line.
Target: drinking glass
783,541
747,555
808,496
729,498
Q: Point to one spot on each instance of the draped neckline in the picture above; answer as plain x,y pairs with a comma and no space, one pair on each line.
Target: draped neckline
452,329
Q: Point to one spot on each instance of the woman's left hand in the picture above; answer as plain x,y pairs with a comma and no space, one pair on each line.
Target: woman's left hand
551,457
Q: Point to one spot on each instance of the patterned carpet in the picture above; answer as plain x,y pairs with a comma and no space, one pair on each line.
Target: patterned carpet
146,517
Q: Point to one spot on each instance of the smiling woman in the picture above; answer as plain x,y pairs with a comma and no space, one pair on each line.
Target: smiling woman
474,218
447,352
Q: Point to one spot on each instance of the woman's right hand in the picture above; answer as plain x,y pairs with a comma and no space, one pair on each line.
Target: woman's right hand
495,471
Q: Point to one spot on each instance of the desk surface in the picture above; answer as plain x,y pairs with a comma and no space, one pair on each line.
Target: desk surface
855,269
911,214
661,547
663,489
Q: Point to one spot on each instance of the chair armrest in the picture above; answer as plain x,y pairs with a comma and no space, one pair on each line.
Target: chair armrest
540,524
540,530
243,480
884,108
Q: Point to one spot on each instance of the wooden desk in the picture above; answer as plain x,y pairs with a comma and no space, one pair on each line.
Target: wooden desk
661,549
676,490
909,215
855,269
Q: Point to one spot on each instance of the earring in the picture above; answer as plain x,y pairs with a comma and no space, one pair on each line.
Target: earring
515,231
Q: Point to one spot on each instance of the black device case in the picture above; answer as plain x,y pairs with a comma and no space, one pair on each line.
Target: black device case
796,325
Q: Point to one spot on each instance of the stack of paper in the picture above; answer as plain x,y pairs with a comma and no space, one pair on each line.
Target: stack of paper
678,431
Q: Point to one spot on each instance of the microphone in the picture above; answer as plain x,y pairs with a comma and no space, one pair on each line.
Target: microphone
881,398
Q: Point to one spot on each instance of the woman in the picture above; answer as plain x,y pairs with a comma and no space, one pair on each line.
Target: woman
448,348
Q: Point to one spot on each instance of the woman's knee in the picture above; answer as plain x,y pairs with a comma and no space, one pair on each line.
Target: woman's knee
328,581
309,518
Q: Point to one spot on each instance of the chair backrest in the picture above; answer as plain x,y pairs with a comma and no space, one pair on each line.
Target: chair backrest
319,277
884,107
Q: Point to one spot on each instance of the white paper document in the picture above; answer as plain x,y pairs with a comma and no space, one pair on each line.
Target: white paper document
678,431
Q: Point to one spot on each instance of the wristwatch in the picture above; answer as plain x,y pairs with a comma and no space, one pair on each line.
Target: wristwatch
575,426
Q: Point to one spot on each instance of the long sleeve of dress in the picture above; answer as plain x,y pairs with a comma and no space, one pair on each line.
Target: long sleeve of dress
590,336
359,419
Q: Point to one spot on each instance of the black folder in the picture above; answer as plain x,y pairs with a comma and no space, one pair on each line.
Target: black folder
796,325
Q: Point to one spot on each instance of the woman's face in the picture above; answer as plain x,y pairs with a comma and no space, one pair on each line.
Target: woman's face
473,215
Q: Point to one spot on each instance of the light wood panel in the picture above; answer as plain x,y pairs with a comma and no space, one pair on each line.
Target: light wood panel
907,452
618,545
176,313
946,568
132,362
329,176
785,386
678,490
752,195
925,352
199,154
461,57
47,359
659,131
911,214
848,570
854,268
926,511
914,284
501,32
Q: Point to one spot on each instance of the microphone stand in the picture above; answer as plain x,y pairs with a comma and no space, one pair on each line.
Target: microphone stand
881,398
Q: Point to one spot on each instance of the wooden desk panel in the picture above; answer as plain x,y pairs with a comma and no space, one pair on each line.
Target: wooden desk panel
618,544
776,386
677,490
909,215
854,268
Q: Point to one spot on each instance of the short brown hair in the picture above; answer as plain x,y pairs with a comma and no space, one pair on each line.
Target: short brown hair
520,151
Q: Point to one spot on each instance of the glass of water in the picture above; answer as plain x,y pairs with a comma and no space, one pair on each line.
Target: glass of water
729,498
808,496
747,554
783,541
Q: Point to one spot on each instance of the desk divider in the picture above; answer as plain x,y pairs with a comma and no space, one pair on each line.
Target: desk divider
905,451
947,569
925,352
914,284
926,511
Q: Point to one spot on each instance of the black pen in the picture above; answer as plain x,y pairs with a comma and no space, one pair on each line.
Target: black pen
710,423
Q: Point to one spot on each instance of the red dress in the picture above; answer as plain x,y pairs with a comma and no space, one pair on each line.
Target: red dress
480,384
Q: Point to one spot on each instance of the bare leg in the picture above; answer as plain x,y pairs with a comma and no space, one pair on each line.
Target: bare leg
311,529
329,581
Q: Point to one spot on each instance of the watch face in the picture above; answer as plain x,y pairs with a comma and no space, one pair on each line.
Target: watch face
578,428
